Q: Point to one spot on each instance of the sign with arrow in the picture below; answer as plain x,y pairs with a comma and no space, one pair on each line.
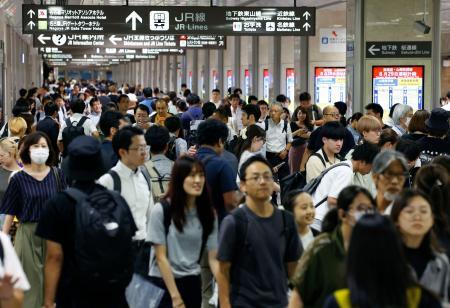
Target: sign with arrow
133,17
163,20
420,49
112,51
130,41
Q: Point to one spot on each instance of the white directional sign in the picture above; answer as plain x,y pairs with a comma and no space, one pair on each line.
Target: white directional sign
133,17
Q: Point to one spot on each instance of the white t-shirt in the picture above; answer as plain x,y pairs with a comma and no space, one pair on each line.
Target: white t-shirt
11,264
331,185
306,239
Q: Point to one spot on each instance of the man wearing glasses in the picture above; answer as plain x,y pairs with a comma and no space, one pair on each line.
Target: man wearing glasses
389,173
258,244
127,178
330,114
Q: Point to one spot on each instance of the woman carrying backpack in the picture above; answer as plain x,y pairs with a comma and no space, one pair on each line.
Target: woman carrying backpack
27,192
181,227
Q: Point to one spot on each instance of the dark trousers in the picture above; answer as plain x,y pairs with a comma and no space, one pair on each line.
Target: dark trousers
190,288
274,160
283,171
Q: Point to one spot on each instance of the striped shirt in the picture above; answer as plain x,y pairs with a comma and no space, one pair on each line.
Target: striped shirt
25,196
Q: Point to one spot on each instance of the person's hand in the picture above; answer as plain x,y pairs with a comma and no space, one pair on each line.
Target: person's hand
192,151
7,286
283,154
177,302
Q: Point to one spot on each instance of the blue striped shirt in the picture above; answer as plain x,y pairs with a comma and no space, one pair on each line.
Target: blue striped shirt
25,196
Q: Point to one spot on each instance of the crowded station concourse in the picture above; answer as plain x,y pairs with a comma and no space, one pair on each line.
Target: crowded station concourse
226,157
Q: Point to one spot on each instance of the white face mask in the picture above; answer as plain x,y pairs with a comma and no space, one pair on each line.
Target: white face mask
39,156
389,196
357,215
408,119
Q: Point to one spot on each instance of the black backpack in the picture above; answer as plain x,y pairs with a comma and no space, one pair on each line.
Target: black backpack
117,184
70,132
172,149
104,228
191,133
296,180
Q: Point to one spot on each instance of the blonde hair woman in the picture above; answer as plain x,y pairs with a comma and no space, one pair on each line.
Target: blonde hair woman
9,155
17,127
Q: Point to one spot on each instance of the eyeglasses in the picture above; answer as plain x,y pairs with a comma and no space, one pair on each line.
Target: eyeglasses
257,178
334,114
399,176
141,148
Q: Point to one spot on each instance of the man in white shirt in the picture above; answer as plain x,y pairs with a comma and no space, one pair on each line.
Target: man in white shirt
389,173
13,281
236,113
215,98
131,148
96,110
62,113
278,141
340,176
333,135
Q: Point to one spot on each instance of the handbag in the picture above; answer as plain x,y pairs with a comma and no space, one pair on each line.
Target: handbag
142,293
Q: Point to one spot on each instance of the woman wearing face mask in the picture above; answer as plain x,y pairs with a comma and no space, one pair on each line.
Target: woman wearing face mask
321,269
401,117
413,216
25,196
176,253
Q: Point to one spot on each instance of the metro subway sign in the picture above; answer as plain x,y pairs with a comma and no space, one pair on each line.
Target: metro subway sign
162,20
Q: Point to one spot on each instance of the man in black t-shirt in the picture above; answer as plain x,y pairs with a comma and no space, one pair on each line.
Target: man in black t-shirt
83,165
258,244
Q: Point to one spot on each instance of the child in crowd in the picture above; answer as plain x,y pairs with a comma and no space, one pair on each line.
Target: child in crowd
301,205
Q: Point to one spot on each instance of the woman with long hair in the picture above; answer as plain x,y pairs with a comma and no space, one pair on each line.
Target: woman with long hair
433,180
321,269
255,138
413,216
301,128
378,274
27,192
416,127
178,247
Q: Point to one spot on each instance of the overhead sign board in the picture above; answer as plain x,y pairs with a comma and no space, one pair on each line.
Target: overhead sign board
398,49
129,41
70,56
199,20
112,51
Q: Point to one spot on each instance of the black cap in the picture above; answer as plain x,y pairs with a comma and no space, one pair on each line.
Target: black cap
438,120
85,160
